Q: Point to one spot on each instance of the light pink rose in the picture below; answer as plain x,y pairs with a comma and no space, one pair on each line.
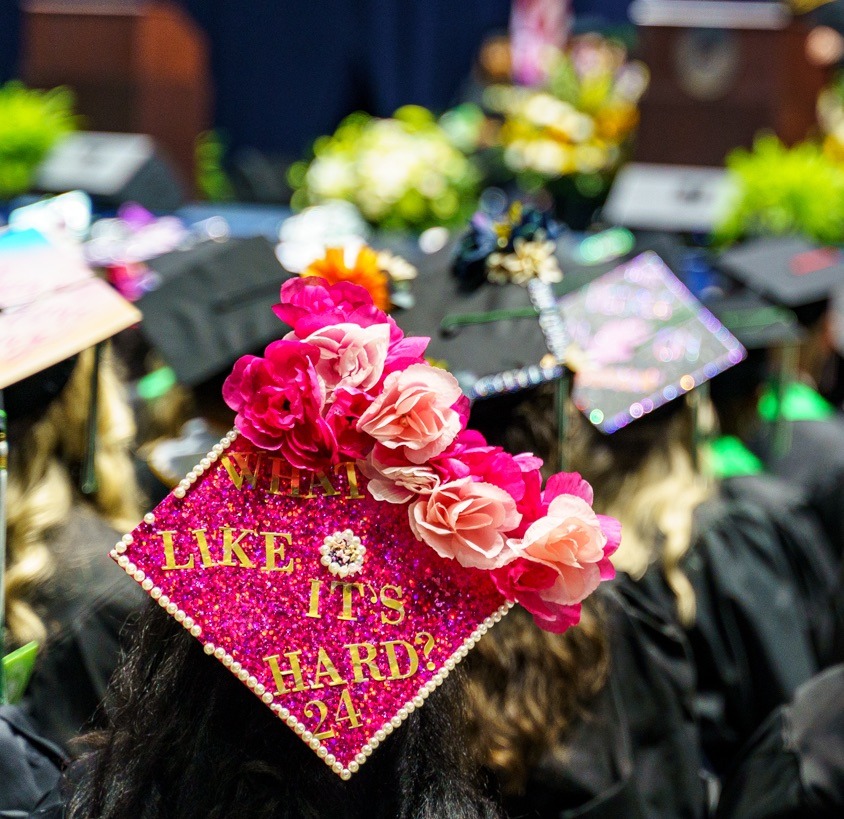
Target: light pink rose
393,479
414,414
466,521
568,539
350,355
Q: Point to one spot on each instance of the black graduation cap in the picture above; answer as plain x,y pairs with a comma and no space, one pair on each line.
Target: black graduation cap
490,339
213,304
788,270
756,322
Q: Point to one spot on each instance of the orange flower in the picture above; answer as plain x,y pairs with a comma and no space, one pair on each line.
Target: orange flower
366,272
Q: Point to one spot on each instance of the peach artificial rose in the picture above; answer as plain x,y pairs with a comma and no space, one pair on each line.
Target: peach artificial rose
350,355
466,520
570,540
414,414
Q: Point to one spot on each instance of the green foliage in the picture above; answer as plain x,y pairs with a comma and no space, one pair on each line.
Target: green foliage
31,123
402,173
782,190
211,179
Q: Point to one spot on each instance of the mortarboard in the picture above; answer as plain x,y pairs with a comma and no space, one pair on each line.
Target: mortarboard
212,305
639,339
350,541
789,271
51,306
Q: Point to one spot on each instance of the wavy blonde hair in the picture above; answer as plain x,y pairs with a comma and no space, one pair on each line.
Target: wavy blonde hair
41,491
645,475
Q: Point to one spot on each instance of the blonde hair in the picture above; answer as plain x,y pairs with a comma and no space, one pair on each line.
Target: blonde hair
645,475
41,491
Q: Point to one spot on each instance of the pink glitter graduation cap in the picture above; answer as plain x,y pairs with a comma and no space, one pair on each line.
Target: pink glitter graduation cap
351,540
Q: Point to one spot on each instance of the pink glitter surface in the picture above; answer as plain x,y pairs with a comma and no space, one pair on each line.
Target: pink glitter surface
253,613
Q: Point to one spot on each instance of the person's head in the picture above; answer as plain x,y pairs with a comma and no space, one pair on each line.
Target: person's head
525,689
187,740
645,474
47,449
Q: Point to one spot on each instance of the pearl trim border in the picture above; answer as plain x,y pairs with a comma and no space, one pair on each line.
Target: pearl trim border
118,554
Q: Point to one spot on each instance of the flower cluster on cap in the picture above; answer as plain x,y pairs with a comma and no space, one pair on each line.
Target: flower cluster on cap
345,383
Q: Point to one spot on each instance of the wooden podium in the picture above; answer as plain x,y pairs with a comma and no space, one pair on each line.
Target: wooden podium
135,67
720,73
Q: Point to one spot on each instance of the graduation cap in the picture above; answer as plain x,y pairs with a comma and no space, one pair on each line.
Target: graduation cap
789,271
640,339
212,305
52,307
307,550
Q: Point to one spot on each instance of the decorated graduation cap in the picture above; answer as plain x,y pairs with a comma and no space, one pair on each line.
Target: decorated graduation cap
474,301
212,304
789,271
639,339
52,307
350,541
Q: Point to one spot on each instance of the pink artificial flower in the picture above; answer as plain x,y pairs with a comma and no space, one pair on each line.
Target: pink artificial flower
414,414
279,400
563,554
465,520
350,355
394,479
309,303
469,455
342,416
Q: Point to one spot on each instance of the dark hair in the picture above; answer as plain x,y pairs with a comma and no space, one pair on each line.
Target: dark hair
186,740
527,687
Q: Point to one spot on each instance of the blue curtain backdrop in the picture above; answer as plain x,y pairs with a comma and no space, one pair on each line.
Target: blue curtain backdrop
287,71
9,38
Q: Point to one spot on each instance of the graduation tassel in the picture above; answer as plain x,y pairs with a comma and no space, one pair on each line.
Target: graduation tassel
701,426
88,479
562,397
789,354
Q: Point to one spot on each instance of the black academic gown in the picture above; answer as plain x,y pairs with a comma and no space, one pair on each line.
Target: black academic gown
752,637
810,557
794,766
636,752
813,461
30,766
88,607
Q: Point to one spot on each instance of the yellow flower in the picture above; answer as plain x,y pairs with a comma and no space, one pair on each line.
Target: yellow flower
366,272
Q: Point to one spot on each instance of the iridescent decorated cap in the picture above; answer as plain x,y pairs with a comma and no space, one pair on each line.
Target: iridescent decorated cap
52,306
350,541
639,339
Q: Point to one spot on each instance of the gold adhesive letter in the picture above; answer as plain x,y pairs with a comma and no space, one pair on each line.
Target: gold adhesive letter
325,668
295,671
392,659
242,460
351,477
272,552
368,660
169,553
231,546
394,603
347,588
